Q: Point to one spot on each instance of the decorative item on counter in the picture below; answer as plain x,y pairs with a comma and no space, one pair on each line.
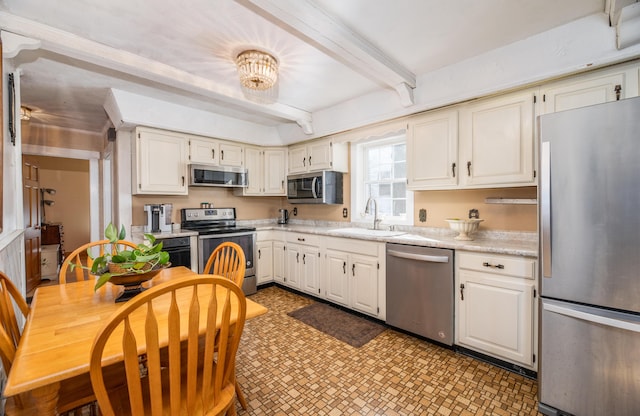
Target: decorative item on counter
206,205
128,267
465,228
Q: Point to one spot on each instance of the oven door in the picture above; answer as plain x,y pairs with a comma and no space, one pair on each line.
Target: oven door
208,243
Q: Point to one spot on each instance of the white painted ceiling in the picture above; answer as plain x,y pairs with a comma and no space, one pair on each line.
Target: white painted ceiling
200,39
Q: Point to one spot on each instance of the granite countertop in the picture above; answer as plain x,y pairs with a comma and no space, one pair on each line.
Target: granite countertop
137,234
497,242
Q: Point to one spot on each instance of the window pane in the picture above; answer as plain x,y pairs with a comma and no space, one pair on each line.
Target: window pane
399,207
384,206
399,190
373,190
384,172
384,190
399,152
400,170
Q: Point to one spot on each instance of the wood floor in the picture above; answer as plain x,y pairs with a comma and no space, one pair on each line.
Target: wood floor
288,368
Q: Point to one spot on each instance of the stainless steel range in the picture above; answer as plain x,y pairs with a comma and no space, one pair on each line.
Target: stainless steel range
215,226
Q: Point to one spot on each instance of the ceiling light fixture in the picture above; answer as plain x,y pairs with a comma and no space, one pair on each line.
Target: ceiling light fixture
258,73
25,113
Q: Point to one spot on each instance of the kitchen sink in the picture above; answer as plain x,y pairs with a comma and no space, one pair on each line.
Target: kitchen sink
366,232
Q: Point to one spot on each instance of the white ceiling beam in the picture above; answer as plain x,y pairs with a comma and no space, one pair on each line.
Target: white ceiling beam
70,45
305,20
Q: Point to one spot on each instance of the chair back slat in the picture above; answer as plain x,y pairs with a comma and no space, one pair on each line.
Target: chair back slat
193,377
227,260
10,299
76,257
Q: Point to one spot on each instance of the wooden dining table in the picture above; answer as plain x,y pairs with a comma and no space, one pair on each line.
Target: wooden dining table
59,332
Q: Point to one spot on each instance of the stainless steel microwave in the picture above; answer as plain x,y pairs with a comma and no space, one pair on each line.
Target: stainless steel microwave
323,187
204,175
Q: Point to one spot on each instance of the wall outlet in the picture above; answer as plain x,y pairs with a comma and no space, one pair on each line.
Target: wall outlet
474,213
422,216
345,212
295,211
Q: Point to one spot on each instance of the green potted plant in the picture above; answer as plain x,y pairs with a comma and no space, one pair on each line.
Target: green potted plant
147,256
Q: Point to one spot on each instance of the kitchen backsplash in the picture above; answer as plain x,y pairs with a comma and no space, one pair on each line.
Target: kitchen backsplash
439,205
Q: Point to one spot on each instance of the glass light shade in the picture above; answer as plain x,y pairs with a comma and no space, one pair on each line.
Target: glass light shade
257,70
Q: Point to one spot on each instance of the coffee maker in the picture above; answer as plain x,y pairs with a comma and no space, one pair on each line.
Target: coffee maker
283,216
158,218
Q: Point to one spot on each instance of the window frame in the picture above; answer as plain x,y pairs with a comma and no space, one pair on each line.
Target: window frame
359,193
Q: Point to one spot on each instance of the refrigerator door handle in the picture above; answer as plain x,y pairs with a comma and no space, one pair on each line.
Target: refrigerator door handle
545,207
575,312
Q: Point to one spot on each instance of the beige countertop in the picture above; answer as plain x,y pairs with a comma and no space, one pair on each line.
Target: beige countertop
511,243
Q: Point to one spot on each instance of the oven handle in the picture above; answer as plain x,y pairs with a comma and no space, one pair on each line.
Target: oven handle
210,236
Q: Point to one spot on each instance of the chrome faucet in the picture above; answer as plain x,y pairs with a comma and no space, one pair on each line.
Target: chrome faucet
367,210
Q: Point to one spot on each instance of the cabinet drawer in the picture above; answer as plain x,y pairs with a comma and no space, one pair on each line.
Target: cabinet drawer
308,239
501,265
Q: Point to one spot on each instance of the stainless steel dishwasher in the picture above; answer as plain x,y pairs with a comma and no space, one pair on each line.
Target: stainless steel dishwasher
420,291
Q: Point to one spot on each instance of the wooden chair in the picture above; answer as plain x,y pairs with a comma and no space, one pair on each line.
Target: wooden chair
10,297
78,255
198,382
74,393
228,260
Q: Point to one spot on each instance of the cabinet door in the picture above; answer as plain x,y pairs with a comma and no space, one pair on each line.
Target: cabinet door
495,315
337,277
162,163
496,138
310,272
432,151
293,255
203,151
298,159
264,265
278,261
254,164
364,278
230,154
583,92
275,172
319,155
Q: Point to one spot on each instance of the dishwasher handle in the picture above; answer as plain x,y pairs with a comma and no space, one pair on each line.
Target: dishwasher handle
419,257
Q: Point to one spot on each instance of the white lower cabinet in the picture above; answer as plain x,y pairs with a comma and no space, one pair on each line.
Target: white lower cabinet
302,266
279,261
495,306
352,274
264,265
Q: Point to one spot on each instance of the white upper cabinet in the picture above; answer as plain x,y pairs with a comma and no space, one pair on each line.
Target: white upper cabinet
204,151
275,171
432,150
207,151
497,142
231,154
266,172
160,159
589,89
318,155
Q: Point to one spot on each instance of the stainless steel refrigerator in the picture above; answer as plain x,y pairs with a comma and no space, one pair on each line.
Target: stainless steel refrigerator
590,251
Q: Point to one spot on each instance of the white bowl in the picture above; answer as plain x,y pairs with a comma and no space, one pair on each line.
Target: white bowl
464,227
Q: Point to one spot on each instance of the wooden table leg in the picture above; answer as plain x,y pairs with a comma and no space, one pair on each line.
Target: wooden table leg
46,399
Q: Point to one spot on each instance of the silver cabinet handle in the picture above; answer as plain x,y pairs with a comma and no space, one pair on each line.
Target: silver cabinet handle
545,207
419,257
575,312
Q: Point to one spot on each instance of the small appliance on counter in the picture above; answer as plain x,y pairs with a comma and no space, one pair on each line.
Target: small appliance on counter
158,218
283,216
